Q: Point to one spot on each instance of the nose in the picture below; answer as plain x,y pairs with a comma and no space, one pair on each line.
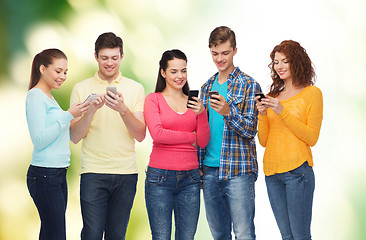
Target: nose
280,65
180,74
63,76
219,57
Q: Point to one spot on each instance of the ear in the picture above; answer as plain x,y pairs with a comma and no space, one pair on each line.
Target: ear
162,72
96,56
122,56
235,50
42,69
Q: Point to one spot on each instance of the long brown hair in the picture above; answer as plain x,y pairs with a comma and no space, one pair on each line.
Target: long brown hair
301,67
45,58
163,64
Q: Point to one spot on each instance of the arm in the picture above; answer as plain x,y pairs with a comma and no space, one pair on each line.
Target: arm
36,118
202,130
79,127
262,129
310,130
157,131
135,122
245,124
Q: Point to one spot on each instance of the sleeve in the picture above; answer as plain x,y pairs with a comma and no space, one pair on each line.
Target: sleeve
245,125
75,96
263,129
310,130
158,133
139,107
202,130
36,111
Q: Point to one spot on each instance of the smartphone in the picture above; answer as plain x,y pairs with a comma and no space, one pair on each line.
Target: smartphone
261,96
192,93
112,89
210,93
91,97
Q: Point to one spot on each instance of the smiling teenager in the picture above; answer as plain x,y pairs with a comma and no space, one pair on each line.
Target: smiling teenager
172,177
109,129
290,119
229,162
49,130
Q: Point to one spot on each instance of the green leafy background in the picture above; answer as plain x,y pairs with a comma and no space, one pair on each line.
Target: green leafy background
332,31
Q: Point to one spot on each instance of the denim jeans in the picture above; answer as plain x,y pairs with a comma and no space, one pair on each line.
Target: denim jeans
106,202
48,188
230,204
167,191
291,198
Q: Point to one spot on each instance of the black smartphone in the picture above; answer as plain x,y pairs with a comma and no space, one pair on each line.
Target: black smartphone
261,96
210,93
192,93
90,97
113,90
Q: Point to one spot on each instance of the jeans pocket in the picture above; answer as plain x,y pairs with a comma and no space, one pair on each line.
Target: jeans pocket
154,178
300,171
195,177
31,184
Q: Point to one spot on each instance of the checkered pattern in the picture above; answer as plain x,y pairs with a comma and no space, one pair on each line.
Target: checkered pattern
238,152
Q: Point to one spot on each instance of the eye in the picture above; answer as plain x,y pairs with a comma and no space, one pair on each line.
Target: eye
115,58
58,72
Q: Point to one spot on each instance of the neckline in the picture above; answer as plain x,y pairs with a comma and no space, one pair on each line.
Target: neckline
296,95
179,114
52,99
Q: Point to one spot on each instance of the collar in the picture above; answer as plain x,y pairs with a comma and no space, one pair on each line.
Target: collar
98,80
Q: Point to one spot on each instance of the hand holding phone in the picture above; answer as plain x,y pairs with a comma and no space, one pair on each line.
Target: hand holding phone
91,97
192,93
210,93
113,90
261,96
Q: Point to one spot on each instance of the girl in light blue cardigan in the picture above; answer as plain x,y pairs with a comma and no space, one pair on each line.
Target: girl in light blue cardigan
49,127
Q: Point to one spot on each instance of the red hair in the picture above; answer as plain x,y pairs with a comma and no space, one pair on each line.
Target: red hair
301,67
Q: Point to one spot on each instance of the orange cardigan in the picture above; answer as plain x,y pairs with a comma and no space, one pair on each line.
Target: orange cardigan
289,135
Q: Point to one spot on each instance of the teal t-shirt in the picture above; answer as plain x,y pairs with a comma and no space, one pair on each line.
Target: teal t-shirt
216,121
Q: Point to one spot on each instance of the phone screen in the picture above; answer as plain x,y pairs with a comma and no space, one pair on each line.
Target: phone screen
261,96
192,93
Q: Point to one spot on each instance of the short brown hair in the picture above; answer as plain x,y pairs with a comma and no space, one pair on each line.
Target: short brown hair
108,40
220,35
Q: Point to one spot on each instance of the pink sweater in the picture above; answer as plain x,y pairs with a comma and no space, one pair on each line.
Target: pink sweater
173,134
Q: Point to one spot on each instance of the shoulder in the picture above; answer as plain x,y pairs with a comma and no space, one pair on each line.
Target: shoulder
313,92
35,94
209,81
152,96
246,80
84,83
131,83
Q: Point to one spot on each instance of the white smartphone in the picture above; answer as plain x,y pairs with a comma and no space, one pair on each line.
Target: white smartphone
91,97
113,90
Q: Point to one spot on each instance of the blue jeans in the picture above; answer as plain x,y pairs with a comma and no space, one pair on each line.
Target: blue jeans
230,204
48,188
106,202
167,191
291,198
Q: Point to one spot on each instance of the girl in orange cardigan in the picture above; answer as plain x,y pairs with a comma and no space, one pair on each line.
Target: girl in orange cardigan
289,122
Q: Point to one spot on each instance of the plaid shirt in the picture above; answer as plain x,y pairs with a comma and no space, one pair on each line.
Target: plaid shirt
238,152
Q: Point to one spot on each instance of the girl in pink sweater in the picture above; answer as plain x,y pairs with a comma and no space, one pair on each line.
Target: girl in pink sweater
172,177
